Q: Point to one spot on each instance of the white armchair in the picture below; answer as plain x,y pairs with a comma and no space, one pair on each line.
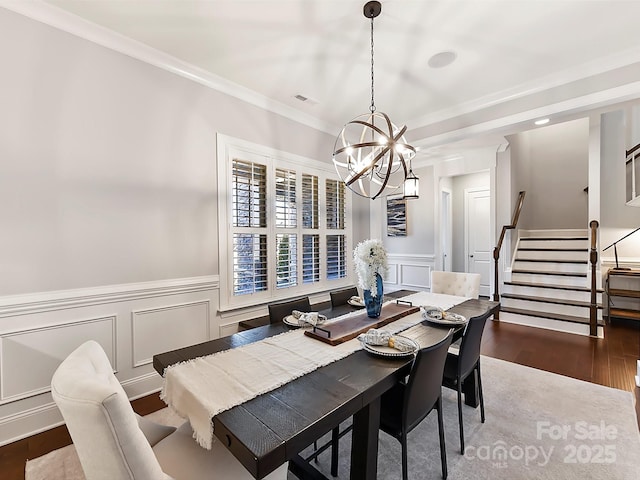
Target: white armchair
456,283
114,443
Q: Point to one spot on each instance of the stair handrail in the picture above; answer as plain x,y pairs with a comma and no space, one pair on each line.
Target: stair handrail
632,150
496,250
593,258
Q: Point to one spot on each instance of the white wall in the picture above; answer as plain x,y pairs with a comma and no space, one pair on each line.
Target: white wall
108,205
112,161
617,218
411,258
460,184
551,164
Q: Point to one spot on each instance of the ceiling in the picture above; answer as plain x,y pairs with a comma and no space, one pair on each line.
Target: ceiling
514,59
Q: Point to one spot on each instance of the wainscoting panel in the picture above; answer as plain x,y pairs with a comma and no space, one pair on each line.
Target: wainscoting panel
28,358
181,325
132,322
416,276
411,272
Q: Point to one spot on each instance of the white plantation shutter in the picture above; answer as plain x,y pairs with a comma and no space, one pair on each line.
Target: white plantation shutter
286,206
284,229
249,199
310,258
336,244
287,255
249,263
309,201
336,256
336,207
249,194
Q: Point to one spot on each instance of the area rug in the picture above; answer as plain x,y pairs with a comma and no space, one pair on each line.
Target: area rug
539,425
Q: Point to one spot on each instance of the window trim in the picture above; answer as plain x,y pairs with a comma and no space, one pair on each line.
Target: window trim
230,147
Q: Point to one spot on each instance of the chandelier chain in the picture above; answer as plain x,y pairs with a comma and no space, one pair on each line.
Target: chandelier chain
372,108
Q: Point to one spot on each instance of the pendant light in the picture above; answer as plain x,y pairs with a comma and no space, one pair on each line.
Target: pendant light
371,153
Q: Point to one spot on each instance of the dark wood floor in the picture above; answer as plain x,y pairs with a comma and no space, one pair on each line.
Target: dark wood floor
610,361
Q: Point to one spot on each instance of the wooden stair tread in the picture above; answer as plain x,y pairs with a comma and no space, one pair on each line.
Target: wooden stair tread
557,301
541,249
557,274
555,287
551,316
539,260
526,239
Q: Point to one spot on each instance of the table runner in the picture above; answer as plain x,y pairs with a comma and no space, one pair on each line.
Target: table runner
203,387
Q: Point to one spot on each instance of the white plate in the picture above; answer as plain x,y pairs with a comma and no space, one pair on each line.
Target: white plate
356,303
293,322
449,319
386,351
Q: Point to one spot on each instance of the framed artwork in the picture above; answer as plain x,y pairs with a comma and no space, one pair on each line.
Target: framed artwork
396,217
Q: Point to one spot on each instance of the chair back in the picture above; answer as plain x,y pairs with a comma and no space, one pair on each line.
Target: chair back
100,419
277,311
470,346
424,386
456,283
340,297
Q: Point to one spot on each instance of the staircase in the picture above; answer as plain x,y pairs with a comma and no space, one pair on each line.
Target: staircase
549,285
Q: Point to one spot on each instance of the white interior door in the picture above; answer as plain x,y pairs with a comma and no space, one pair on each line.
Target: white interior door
446,229
478,235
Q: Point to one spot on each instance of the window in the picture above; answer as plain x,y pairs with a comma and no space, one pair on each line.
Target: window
287,231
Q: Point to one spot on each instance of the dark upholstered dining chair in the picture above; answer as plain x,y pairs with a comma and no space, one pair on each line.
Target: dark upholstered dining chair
340,297
277,311
467,361
405,405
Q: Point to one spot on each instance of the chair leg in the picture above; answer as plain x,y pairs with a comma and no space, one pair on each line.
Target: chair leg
403,442
480,393
460,417
443,451
315,447
335,439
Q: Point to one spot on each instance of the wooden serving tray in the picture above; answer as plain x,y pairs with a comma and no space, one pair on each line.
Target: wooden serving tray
343,330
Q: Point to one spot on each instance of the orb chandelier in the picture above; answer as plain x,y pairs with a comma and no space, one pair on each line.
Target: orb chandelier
371,154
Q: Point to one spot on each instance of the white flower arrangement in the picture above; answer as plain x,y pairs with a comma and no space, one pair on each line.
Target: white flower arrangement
370,257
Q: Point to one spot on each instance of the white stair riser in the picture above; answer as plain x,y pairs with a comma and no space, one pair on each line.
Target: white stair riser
549,279
551,266
551,293
553,243
549,307
552,255
546,323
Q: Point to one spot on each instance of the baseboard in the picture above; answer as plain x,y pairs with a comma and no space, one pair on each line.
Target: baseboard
39,419
549,324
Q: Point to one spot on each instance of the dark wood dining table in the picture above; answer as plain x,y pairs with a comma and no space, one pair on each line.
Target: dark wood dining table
273,428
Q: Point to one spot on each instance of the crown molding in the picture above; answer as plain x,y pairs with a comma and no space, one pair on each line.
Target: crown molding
75,25
567,76
592,101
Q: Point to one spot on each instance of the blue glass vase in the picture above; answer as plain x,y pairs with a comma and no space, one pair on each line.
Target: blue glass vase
374,304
